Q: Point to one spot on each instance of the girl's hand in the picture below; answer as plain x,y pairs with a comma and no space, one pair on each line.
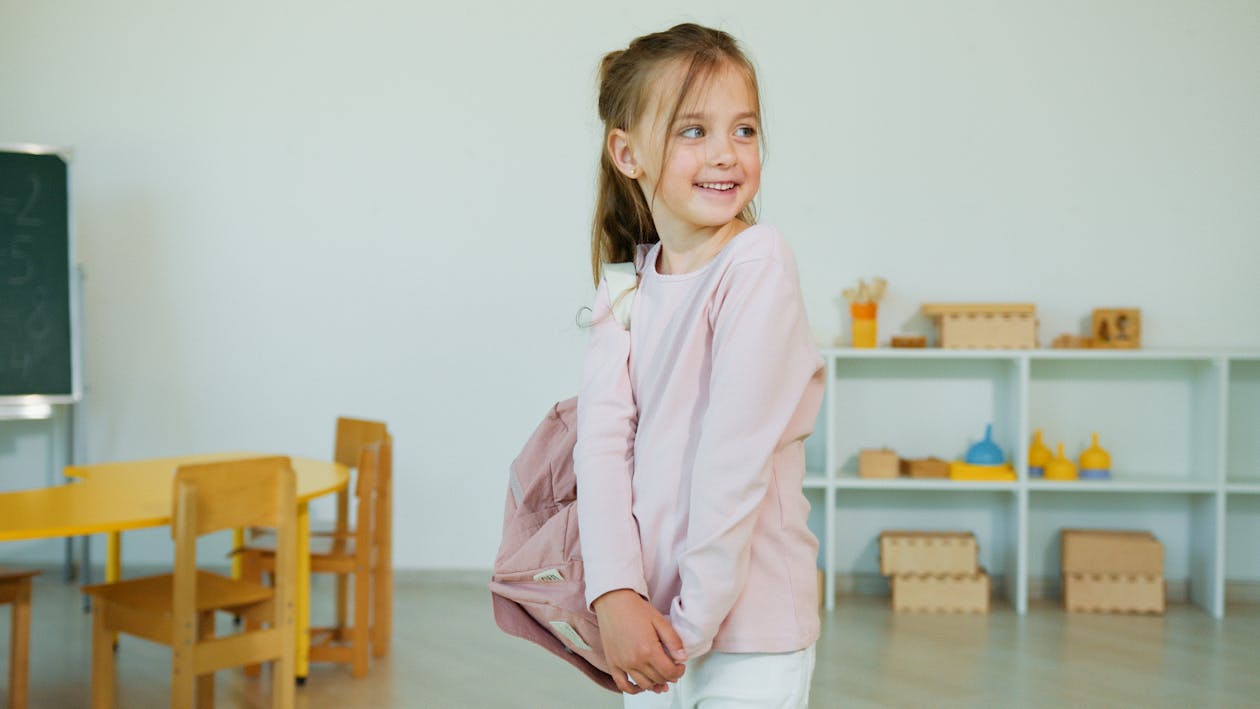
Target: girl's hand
636,640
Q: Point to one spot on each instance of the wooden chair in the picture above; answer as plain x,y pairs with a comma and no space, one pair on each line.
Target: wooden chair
178,609
352,554
15,589
351,435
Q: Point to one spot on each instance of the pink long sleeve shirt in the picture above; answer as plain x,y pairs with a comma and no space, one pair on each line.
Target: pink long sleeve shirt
690,459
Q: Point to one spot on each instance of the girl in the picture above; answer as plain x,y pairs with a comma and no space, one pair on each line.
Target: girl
690,454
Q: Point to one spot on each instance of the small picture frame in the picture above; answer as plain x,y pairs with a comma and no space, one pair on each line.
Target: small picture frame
1117,328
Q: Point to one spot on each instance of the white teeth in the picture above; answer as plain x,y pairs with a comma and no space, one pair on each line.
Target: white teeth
718,185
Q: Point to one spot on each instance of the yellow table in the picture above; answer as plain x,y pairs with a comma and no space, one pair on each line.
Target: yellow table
115,497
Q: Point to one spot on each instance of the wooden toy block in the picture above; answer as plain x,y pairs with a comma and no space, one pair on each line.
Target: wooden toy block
949,594
933,553
1114,593
925,468
878,463
985,325
909,341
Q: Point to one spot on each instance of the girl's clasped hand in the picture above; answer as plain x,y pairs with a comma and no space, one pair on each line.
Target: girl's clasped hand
642,648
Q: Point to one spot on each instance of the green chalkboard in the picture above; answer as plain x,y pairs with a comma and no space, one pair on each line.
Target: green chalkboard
36,356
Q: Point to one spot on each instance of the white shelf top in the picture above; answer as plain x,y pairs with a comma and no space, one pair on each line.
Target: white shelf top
818,481
919,353
850,482
1153,485
1037,354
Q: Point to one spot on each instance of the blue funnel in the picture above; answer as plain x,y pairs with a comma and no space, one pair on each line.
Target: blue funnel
986,452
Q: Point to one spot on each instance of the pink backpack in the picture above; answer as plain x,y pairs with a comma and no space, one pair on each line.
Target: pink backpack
538,587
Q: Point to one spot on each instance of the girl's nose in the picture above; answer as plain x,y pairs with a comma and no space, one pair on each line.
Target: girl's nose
721,151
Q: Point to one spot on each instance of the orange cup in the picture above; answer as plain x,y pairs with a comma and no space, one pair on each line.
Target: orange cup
864,323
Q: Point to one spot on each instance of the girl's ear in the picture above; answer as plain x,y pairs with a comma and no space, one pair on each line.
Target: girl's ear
622,154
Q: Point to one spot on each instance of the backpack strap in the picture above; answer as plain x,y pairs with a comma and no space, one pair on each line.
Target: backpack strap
622,278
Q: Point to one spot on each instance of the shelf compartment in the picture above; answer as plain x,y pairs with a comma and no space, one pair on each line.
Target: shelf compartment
861,514
1070,398
1242,445
1186,524
1242,529
921,411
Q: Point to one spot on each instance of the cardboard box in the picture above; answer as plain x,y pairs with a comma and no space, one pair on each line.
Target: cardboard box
1108,551
952,594
925,468
1113,593
938,553
878,463
985,325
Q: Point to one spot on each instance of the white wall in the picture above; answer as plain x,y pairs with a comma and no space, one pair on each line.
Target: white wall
288,212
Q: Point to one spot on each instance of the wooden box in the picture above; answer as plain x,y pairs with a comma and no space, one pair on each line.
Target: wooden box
985,325
950,594
1113,593
939,553
1109,551
878,463
925,468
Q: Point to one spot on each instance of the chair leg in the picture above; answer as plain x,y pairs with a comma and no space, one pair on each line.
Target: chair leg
360,640
284,668
251,570
383,608
19,646
343,592
183,677
205,683
102,658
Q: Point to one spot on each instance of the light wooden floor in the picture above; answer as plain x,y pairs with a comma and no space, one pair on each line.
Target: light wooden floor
448,653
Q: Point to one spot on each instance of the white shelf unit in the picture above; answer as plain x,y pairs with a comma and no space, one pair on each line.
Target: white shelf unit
1181,427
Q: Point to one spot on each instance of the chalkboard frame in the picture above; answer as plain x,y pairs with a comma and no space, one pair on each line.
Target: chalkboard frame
35,404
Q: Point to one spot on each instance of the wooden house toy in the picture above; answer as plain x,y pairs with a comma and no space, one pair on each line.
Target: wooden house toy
985,325
1117,328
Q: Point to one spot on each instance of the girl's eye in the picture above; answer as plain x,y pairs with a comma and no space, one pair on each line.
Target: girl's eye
692,132
746,131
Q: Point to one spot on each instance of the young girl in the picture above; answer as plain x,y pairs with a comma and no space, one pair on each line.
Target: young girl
690,456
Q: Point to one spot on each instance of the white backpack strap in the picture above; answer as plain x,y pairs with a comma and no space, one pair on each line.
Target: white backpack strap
621,279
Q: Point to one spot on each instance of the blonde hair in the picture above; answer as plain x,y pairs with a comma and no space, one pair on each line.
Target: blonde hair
623,217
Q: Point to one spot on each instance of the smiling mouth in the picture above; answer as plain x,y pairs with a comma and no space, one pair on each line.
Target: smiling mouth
716,186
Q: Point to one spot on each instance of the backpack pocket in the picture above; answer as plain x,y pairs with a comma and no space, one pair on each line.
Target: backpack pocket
554,597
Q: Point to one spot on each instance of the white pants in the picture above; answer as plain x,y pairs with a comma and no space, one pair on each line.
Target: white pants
718,680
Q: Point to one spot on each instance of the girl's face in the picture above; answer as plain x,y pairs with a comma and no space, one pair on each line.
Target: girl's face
701,172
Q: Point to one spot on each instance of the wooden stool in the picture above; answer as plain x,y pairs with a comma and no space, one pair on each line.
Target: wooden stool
15,588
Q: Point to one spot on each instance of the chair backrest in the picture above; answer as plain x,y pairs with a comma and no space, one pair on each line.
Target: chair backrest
382,520
257,492
353,434
367,493
232,494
